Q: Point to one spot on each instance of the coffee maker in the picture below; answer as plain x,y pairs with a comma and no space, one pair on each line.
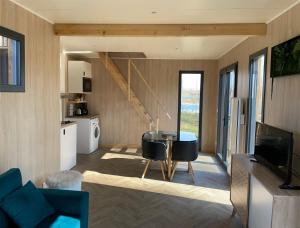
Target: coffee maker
81,109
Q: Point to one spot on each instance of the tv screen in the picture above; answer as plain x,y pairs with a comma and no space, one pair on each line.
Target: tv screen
274,148
285,58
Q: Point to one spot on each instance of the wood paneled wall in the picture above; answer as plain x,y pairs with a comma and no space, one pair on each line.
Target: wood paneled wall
119,122
29,122
283,109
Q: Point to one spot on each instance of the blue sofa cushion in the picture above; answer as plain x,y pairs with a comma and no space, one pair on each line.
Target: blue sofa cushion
65,222
27,206
9,182
59,221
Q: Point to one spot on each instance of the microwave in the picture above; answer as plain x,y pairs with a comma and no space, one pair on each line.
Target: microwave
86,85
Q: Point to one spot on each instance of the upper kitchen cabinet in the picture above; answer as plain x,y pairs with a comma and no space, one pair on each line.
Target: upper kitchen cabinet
79,77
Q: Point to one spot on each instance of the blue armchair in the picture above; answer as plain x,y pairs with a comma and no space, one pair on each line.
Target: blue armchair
68,203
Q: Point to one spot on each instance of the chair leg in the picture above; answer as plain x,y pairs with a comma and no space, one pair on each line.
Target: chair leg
191,171
173,165
173,171
166,164
146,168
162,166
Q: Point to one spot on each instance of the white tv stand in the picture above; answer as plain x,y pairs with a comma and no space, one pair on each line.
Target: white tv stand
258,200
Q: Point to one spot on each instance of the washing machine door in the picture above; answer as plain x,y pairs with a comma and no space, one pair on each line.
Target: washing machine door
95,135
96,132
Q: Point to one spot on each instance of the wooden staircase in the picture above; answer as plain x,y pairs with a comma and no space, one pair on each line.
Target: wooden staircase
119,79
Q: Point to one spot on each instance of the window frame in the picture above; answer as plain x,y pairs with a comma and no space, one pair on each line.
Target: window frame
232,67
201,72
21,39
252,57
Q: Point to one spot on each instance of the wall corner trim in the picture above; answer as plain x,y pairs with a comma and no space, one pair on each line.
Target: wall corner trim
31,11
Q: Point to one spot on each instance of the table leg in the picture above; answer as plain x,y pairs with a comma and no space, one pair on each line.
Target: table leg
169,160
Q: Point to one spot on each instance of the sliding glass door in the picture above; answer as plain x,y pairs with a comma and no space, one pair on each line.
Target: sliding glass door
257,77
227,90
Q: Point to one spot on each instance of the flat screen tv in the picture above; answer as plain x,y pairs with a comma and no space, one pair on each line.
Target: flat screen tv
285,58
274,148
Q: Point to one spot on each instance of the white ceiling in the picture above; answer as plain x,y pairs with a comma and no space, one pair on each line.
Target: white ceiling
165,11
160,48
168,11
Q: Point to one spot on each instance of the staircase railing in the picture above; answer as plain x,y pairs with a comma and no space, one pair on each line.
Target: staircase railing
159,105
130,93
121,81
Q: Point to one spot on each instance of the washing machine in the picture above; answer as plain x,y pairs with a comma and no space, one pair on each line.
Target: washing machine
88,133
94,134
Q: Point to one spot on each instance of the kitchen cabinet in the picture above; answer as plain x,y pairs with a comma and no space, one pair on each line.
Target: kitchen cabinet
63,72
77,70
68,146
260,205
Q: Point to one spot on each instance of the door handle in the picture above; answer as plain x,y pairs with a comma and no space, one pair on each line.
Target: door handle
64,132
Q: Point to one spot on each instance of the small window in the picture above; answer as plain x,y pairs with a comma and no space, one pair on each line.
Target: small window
12,77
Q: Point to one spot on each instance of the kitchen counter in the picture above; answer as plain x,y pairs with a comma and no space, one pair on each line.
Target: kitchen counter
67,123
83,117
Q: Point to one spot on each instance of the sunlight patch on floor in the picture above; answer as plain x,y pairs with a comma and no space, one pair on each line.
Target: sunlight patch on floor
156,186
207,158
116,149
120,156
131,150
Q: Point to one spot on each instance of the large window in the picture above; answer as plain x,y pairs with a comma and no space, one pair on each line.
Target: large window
11,61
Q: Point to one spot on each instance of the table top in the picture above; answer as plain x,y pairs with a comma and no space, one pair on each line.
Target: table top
169,136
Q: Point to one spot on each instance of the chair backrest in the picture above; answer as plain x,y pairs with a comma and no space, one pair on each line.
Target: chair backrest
9,182
184,151
154,150
144,135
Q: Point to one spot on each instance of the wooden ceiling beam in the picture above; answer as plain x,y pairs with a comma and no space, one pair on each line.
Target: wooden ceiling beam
156,30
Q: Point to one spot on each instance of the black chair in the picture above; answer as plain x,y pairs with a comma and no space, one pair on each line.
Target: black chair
154,151
184,151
